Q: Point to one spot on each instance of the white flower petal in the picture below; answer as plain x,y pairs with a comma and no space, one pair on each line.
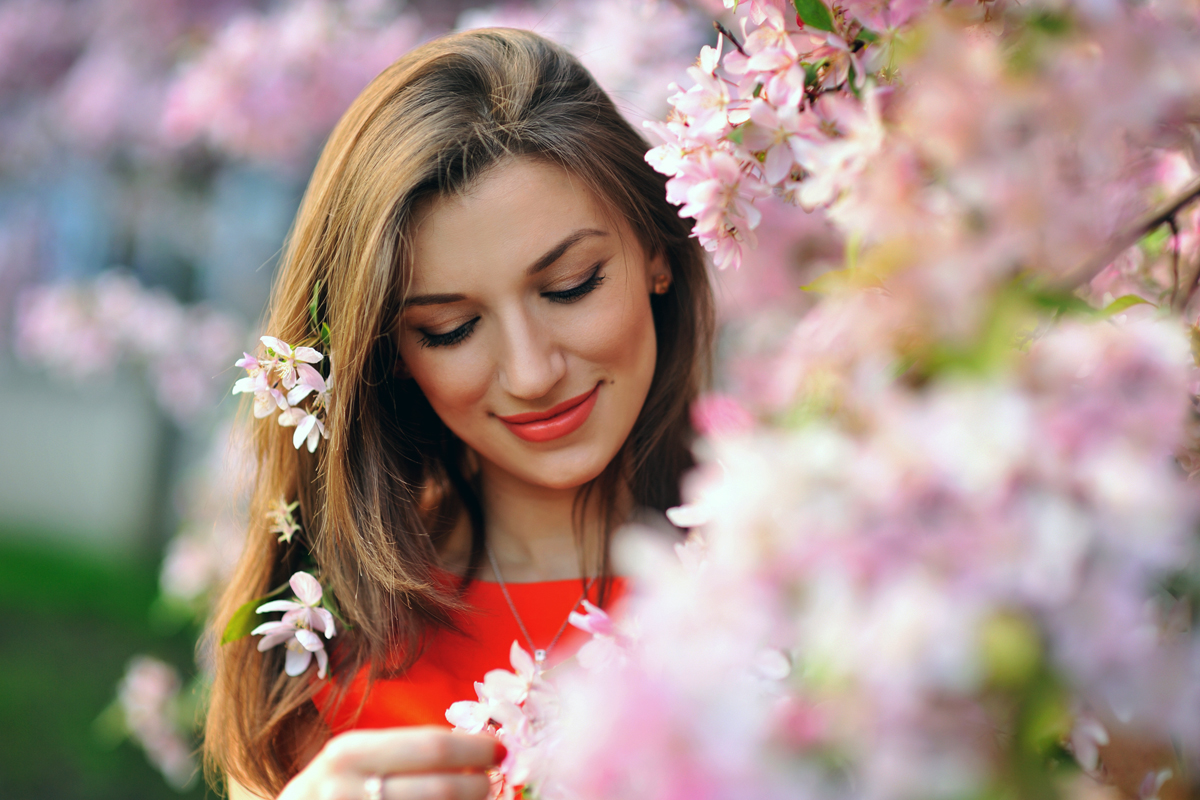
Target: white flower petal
298,393
306,587
522,662
278,345
308,354
314,435
468,716
297,661
322,663
276,605
302,430
309,640
324,622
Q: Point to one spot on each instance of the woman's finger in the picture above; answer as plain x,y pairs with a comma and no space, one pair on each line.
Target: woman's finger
436,787
410,750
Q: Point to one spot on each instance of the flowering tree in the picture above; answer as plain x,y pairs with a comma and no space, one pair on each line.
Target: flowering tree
952,549
943,533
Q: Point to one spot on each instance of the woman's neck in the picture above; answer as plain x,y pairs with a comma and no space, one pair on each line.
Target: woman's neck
532,530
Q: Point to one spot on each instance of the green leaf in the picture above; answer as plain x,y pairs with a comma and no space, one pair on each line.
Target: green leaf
852,82
736,134
1120,304
325,334
315,305
242,622
810,73
329,603
867,36
1156,240
1050,23
245,619
815,14
1058,302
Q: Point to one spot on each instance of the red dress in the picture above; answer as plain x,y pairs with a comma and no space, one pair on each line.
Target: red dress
452,662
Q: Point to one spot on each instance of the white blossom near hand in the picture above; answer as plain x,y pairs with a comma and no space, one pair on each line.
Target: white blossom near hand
302,616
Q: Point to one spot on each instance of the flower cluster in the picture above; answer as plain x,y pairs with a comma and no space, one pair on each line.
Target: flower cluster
790,112
283,520
85,332
272,82
954,504
303,620
149,699
519,708
205,549
282,380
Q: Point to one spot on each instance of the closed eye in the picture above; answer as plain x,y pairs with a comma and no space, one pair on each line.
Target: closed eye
450,338
589,284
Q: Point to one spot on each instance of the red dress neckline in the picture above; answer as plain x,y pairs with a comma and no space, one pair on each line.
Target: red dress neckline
452,662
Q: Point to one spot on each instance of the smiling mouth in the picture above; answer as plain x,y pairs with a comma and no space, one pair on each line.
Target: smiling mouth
553,423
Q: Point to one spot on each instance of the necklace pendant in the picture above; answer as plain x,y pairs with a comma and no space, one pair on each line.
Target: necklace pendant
539,656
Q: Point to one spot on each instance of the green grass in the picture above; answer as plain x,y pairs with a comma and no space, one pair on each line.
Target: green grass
68,626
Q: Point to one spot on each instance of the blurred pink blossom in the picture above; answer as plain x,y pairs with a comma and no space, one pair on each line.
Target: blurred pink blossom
149,697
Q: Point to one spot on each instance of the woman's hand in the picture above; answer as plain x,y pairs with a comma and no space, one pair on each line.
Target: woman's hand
413,764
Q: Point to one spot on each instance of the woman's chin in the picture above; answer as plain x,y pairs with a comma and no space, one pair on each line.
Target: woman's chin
555,471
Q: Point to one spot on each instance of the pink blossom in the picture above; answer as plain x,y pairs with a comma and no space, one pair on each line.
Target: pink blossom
308,427
758,9
282,519
149,697
720,196
1087,737
609,643
297,630
716,414
287,358
517,708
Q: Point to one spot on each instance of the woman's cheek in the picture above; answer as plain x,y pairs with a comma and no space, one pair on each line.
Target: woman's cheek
452,379
616,331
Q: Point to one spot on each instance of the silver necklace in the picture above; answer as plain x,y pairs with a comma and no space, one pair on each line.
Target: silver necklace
539,654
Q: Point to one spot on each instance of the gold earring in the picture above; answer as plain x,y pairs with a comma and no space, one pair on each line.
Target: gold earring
662,282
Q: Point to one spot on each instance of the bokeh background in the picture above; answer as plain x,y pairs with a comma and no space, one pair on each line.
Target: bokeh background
152,154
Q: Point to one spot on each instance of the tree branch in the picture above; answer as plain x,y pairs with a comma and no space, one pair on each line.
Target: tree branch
1129,237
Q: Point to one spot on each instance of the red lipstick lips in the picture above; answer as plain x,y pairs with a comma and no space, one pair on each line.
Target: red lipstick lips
544,426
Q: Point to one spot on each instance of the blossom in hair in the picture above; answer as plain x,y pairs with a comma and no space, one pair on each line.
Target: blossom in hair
308,427
284,379
288,358
282,519
298,630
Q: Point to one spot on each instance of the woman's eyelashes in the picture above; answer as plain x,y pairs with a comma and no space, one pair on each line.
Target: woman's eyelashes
577,292
589,284
446,339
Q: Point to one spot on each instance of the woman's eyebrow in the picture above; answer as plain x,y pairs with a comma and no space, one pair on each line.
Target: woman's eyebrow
551,255
556,252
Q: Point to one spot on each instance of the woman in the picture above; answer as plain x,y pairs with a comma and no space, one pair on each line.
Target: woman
518,322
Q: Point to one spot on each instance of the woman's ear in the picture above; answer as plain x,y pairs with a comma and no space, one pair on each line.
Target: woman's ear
658,275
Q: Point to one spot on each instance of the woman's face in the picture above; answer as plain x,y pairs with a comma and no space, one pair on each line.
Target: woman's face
528,324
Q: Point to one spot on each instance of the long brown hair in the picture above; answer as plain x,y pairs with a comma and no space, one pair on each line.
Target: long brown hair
429,125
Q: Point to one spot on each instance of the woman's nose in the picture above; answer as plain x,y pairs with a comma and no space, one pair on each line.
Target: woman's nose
532,363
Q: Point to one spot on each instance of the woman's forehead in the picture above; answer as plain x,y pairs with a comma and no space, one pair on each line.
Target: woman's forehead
513,216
